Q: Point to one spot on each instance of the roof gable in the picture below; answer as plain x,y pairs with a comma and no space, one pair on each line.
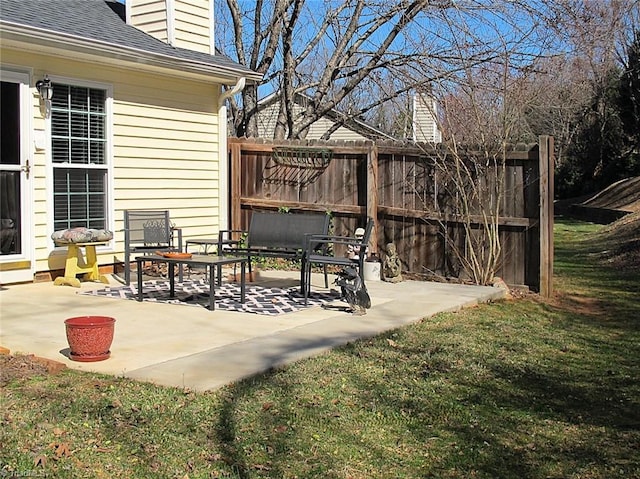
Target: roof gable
358,126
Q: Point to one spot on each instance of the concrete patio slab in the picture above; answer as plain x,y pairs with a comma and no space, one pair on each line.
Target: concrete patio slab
190,347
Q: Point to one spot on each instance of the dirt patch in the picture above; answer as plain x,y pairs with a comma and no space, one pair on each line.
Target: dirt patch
577,304
21,367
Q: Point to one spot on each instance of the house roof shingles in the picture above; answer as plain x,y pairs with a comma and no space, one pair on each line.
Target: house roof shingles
102,22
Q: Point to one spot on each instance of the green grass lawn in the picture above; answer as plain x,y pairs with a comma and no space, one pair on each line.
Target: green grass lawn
517,389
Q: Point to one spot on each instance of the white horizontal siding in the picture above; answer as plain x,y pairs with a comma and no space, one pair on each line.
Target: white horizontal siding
267,123
425,127
191,41
150,16
193,25
323,124
168,156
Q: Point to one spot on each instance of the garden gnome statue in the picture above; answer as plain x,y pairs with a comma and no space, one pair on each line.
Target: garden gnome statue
353,252
391,267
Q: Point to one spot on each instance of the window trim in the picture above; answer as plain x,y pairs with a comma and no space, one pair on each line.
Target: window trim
109,157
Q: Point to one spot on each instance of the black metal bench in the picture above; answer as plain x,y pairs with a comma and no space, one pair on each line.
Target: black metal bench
280,235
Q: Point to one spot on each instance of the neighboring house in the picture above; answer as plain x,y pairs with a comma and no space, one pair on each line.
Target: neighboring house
425,127
350,129
425,124
137,121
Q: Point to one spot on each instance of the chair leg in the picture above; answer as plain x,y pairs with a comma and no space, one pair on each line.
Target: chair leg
361,273
127,268
219,252
307,281
219,275
303,267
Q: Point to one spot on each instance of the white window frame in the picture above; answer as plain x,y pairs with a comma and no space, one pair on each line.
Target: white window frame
109,203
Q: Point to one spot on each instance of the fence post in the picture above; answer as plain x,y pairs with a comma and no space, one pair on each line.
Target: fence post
546,160
372,194
236,185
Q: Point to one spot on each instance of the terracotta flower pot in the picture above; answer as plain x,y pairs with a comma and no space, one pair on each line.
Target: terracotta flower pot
89,337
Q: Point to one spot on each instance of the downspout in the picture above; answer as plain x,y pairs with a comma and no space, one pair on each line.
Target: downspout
237,88
223,162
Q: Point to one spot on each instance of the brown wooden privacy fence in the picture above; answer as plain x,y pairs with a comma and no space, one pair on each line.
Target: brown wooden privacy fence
399,186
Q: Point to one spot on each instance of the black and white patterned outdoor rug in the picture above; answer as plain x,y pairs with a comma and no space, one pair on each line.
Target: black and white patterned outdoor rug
258,299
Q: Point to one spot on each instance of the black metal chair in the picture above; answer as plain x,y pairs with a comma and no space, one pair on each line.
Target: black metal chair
316,252
147,231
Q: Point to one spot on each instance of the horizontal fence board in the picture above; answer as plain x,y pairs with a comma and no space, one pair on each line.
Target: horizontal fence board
342,210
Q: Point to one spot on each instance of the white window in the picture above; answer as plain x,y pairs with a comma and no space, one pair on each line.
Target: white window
79,156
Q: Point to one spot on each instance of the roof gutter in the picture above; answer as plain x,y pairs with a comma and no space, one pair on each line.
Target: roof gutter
52,42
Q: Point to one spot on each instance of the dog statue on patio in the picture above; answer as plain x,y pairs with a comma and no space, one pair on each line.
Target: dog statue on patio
353,291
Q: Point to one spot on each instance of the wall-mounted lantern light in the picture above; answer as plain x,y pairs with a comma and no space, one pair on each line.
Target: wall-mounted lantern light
45,89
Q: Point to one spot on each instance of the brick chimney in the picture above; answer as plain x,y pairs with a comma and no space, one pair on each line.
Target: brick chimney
181,23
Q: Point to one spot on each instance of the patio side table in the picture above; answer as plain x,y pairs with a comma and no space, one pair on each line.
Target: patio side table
204,244
213,263
75,264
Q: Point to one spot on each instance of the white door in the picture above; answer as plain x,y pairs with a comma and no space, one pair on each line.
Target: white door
16,261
